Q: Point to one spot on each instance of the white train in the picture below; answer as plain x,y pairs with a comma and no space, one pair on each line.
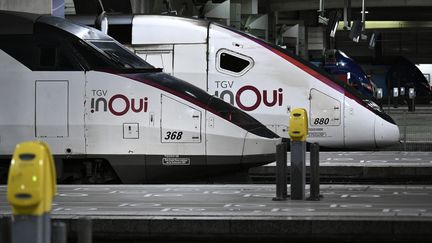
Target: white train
100,106
256,76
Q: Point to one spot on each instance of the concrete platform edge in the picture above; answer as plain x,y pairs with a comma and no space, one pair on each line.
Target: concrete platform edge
284,228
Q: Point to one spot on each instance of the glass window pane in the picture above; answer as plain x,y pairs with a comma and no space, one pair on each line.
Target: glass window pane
233,63
120,56
47,56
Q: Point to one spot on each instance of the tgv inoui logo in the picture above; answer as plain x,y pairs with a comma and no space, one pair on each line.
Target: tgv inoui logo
117,104
269,98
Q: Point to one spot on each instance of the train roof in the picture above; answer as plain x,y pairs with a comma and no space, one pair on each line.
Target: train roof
128,28
187,30
16,23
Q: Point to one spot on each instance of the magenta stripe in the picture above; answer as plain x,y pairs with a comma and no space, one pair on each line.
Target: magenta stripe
305,68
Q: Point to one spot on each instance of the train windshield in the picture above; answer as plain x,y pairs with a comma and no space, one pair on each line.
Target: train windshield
120,56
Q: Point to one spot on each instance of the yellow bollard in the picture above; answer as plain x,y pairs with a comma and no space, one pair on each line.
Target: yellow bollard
298,127
31,190
298,131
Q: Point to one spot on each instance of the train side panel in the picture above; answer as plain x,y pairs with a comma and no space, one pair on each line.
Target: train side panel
268,86
41,105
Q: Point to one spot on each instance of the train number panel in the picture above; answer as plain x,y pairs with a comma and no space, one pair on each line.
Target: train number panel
174,113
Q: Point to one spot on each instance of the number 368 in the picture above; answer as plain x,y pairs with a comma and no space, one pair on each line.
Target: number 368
173,135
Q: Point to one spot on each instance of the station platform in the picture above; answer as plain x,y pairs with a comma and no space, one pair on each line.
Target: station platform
370,167
240,213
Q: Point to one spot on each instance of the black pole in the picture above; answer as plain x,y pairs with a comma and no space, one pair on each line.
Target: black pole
413,104
59,233
281,168
84,230
314,173
5,230
298,170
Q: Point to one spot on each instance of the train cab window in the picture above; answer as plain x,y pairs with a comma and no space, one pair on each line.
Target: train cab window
54,58
123,58
47,57
233,63
88,58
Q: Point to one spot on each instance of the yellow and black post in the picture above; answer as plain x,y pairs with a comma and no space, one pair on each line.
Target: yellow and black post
31,190
298,131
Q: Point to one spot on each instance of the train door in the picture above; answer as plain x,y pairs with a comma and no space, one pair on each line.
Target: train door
52,108
181,136
325,119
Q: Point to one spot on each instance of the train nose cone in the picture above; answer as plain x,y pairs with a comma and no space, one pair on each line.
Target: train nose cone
386,133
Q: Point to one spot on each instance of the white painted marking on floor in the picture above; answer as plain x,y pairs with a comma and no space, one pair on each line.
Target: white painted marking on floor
263,195
168,195
411,159
226,192
94,189
298,210
187,209
356,206
376,161
73,195
246,205
365,196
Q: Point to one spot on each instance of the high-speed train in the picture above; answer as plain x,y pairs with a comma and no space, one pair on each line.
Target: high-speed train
341,66
102,108
258,77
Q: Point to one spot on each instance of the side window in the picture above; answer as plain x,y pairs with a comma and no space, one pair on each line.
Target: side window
233,63
47,56
53,54
54,58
